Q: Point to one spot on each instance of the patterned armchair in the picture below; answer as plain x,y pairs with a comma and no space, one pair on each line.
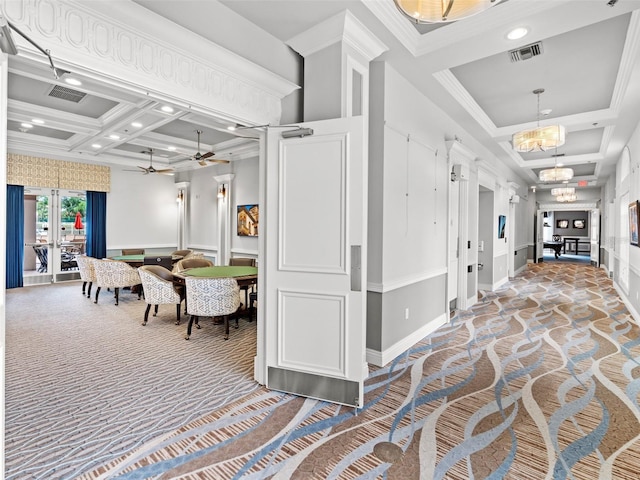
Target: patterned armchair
159,289
87,272
212,297
115,274
182,253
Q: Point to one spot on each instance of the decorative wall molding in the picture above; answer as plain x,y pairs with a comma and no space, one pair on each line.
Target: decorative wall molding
100,39
405,282
50,173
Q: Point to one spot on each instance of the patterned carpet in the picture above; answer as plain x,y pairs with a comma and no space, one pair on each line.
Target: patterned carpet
539,380
87,383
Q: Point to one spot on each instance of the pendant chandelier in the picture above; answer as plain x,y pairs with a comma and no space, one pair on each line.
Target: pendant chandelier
442,11
566,197
540,138
563,191
556,174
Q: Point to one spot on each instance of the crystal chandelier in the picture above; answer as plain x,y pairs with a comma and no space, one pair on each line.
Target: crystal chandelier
442,11
540,138
563,191
566,197
556,174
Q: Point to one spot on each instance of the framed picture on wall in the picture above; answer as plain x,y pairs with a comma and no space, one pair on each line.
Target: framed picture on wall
578,223
502,225
248,220
633,223
562,223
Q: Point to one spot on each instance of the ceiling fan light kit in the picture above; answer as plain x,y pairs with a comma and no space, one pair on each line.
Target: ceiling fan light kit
442,11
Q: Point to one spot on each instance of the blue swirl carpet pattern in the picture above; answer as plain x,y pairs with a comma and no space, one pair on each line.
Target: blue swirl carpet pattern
540,379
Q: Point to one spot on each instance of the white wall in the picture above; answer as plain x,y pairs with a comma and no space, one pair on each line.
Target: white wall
141,211
245,192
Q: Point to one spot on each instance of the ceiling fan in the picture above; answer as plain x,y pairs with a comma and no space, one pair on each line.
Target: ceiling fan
150,168
203,158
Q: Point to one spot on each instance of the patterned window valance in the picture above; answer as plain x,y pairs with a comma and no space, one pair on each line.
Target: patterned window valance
50,173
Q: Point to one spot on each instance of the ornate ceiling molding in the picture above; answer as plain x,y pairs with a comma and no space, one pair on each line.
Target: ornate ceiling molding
102,40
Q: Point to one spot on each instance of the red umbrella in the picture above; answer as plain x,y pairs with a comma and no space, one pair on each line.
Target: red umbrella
78,225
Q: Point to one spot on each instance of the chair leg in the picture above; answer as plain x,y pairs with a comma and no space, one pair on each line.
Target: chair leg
84,285
226,327
97,293
155,311
178,313
89,291
189,326
146,314
117,295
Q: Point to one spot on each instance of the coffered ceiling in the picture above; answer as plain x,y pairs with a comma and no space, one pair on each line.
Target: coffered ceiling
588,65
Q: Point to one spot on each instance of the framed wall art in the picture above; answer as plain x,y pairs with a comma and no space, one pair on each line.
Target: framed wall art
502,225
633,223
562,223
579,223
248,220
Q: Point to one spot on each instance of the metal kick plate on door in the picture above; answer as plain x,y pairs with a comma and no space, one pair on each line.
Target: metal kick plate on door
356,268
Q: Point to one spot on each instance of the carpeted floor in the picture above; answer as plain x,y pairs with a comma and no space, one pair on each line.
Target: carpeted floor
88,383
538,380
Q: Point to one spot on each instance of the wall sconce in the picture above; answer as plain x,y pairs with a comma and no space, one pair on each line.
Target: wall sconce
180,196
222,192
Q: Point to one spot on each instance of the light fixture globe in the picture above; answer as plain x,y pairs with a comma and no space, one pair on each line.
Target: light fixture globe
567,197
556,174
442,11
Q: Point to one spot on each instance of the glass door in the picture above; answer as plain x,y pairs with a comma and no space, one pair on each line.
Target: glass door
54,232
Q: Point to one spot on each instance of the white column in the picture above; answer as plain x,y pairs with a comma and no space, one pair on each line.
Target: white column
224,188
182,194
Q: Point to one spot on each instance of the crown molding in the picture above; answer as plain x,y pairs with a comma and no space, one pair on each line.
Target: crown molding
343,27
103,40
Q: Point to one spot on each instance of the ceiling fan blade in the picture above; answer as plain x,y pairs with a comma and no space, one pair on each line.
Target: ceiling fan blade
165,171
218,160
206,155
202,163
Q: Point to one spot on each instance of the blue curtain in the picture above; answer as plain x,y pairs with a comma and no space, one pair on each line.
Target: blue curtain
15,235
96,224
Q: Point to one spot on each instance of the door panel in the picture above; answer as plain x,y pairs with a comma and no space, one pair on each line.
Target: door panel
315,309
595,237
52,240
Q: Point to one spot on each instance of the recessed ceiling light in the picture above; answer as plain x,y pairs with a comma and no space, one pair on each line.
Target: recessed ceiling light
113,136
517,33
26,125
231,128
96,145
136,124
171,148
546,111
38,121
167,109
73,81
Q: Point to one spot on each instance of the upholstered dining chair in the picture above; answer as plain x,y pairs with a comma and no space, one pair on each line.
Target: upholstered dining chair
87,272
158,289
133,251
115,274
244,262
212,297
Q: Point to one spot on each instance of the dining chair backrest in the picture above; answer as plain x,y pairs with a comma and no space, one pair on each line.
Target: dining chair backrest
113,273
182,253
133,251
242,262
86,268
192,262
211,297
556,238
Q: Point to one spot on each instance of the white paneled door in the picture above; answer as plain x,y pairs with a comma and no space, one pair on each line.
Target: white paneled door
315,275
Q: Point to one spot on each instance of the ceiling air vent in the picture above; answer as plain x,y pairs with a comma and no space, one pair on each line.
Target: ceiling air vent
526,52
65,93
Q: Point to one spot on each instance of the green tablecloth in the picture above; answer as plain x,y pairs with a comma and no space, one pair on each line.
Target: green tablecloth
220,272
